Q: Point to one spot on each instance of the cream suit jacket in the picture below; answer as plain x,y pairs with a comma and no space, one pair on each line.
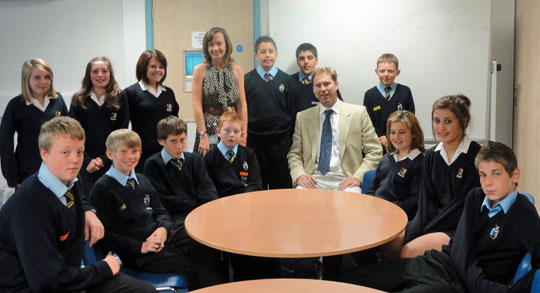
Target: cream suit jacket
355,133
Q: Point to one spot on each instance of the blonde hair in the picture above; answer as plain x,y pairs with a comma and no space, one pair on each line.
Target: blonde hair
59,126
388,58
26,73
123,137
409,120
323,69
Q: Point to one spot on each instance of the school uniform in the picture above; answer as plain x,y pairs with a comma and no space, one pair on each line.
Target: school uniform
42,241
304,97
399,181
183,186
239,176
444,187
98,121
130,214
25,119
482,257
379,108
146,108
270,123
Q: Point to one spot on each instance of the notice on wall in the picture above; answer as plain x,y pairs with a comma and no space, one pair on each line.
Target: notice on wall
197,39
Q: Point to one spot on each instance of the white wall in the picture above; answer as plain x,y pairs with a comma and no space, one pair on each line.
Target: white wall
443,46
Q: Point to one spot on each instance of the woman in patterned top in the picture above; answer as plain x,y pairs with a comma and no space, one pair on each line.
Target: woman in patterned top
218,86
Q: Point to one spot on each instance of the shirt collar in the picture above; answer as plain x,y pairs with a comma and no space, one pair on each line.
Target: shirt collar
301,76
273,71
52,182
35,102
167,157
462,148
120,177
381,86
93,96
322,108
223,149
151,90
411,155
503,205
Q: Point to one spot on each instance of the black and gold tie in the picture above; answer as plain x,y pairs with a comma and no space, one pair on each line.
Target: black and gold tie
387,93
131,183
177,163
230,154
70,200
267,77
306,81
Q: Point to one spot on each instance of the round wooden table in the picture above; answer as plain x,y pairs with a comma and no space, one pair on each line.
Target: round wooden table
292,223
286,286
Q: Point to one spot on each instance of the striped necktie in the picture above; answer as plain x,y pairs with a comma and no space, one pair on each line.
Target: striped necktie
267,77
131,183
306,81
387,93
177,163
230,154
70,200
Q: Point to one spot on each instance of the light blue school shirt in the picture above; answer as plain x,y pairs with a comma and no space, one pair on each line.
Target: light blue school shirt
273,71
167,157
381,87
223,149
503,205
121,178
53,183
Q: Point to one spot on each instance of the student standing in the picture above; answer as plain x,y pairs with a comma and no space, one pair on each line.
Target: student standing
270,101
399,173
24,115
388,96
150,101
101,107
218,86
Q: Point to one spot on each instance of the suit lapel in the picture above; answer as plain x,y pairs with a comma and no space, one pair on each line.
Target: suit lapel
344,124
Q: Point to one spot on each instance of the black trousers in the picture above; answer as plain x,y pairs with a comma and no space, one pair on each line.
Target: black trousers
420,274
122,283
271,154
247,267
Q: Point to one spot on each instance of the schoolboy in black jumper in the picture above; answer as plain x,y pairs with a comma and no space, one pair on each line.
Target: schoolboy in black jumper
270,101
497,227
42,226
387,96
136,224
306,59
233,168
183,184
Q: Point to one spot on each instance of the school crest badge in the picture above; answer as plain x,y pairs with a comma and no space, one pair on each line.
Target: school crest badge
245,166
113,116
460,173
169,107
146,200
57,113
494,232
399,107
281,88
402,172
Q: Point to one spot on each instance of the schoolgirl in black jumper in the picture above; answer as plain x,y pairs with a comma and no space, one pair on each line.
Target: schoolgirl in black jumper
101,107
24,115
150,101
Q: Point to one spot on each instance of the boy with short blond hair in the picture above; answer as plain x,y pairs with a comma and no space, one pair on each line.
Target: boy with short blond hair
388,96
498,226
42,225
183,184
233,168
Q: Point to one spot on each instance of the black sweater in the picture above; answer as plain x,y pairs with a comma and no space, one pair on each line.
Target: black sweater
145,111
227,177
26,120
443,193
485,263
379,109
42,241
129,216
304,98
180,191
399,182
270,104
98,122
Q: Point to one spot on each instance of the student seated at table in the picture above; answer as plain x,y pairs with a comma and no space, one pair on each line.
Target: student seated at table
42,226
183,184
136,224
497,227
234,169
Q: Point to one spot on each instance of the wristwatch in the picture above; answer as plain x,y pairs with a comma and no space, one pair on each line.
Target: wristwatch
201,133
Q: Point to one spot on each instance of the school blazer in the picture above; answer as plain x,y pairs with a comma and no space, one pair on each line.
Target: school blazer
356,133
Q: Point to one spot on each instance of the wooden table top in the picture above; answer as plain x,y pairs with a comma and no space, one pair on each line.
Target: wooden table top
286,286
291,223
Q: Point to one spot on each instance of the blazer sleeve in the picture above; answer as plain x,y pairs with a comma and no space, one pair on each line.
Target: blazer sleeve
295,157
371,146
205,189
10,168
254,176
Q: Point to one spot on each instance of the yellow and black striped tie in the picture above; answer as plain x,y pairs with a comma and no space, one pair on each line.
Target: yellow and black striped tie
130,183
306,81
177,163
70,200
267,77
230,154
387,93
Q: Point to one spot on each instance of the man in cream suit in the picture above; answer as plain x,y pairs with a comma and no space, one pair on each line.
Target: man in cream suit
328,140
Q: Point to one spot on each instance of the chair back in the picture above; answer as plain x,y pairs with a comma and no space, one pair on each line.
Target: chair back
366,181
